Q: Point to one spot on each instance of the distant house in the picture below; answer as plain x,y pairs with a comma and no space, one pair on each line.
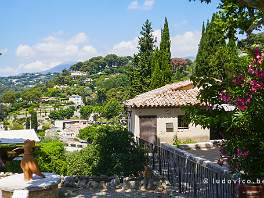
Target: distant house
17,136
63,124
77,100
158,115
179,63
69,129
78,74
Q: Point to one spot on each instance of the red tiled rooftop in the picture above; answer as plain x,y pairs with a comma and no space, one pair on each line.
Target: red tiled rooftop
171,95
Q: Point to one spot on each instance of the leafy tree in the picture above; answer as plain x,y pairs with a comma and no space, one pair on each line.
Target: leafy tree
9,97
112,109
62,114
242,15
251,42
140,77
34,120
89,133
31,95
101,96
86,111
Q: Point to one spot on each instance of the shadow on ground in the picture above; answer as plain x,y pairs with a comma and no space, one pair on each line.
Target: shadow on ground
85,193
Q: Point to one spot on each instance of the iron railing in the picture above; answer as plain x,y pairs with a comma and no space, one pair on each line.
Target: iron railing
190,176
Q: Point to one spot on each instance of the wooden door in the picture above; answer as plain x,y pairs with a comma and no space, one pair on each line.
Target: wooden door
148,128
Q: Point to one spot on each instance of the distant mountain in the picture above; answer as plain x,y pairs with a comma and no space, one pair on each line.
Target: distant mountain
59,68
192,58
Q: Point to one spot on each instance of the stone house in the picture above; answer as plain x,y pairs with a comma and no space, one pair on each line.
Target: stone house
158,115
76,100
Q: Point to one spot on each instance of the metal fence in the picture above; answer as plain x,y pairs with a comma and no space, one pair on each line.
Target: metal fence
189,176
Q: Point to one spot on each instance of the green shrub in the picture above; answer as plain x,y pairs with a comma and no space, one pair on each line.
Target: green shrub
86,111
118,152
62,114
83,162
13,166
89,133
113,151
51,157
177,142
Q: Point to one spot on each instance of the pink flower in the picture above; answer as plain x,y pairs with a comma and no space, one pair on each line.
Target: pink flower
255,85
259,57
238,80
224,97
251,70
242,103
242,153
257,53
260,74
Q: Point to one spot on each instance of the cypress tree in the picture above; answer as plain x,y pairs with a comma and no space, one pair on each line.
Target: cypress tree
34,121
215,61
165,54
27,123
140,75
162,60
212,40
156,80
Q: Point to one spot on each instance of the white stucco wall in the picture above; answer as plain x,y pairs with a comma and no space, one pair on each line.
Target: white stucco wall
167,115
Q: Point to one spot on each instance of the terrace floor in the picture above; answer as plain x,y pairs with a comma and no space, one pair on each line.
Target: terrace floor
210,154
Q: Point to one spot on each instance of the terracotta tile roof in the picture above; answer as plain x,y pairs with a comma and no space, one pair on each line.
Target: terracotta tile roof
171,95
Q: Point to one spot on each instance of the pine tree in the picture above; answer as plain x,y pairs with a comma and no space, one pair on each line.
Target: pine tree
140,75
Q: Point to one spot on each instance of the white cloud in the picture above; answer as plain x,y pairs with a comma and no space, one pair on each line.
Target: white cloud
125,48
182,45
24,51
146,5
6,71
78,39
36,66
134,5
149,3
53,50
3,50
186,44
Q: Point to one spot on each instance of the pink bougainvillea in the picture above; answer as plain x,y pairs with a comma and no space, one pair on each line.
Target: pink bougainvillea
255,85
241,103
242,153
223,96
239,80
251,70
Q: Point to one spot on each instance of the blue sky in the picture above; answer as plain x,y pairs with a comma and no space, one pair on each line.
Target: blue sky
39,34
